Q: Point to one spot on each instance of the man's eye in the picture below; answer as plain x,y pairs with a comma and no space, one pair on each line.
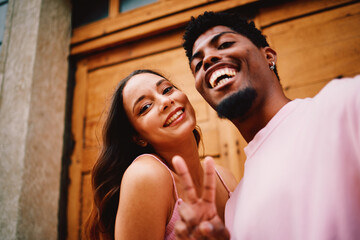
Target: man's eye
225,45
198,66
144,108
168,89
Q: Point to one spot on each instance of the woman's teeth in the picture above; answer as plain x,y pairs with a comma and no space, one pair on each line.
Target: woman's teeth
174,117
221,76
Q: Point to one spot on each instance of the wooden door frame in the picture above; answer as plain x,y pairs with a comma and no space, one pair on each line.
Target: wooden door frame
145,39
135,25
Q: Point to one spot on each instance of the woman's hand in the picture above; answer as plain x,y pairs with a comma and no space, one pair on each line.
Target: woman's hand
199,218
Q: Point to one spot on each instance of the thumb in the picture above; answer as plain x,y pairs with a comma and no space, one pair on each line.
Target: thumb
214,229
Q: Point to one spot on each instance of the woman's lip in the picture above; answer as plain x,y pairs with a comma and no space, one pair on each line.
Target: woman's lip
172,114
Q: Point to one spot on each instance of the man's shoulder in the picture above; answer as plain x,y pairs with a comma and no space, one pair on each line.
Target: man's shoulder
342,86
339,92
339,98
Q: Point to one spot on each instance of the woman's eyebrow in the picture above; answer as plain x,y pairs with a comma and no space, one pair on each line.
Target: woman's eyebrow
137,101
160,82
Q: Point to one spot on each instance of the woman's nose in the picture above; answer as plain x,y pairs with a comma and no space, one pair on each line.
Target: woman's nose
165,102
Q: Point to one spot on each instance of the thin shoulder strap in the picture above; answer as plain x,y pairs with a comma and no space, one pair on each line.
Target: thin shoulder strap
223,182
172,176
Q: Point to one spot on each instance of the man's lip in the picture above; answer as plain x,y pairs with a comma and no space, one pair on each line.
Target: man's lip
215,67
172,113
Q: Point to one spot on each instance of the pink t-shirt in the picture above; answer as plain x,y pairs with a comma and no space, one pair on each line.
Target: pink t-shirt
302,173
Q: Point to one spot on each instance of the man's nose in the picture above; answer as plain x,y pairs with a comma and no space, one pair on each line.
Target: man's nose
210,60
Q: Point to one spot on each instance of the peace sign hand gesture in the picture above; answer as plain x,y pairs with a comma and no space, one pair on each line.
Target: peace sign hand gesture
199,218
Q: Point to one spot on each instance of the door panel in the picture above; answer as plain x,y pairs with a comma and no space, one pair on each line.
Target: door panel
100,83
173,64
315,49
314,44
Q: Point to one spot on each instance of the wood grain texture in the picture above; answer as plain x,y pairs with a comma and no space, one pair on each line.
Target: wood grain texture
315,41
74,190
318,47
293,9
139,16
150,28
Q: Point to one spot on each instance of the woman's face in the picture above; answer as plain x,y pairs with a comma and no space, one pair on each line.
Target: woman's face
160,113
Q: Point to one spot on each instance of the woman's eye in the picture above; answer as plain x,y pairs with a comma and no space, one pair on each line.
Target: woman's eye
225,45
144,108
198,66
168,89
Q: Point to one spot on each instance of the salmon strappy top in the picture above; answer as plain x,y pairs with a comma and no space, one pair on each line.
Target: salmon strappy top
169,232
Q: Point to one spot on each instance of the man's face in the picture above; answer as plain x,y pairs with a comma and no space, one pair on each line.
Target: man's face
225,62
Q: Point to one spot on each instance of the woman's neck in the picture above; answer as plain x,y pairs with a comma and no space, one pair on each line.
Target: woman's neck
188,150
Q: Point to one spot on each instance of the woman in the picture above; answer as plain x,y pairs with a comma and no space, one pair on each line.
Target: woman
136,191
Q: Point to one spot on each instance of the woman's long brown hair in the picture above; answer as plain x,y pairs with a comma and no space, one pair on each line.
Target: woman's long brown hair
118,152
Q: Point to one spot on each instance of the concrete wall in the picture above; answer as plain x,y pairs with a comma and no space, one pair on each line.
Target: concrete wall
33,73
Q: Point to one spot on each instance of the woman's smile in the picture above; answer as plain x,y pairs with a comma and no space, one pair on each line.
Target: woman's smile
174,117
158,110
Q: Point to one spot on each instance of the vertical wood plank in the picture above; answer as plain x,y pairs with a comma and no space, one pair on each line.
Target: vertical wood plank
232,148
114,8
79,104
86,200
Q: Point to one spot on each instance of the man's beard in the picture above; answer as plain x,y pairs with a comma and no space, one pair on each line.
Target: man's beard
236,105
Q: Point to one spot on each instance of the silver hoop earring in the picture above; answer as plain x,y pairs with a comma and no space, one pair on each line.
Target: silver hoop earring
272,67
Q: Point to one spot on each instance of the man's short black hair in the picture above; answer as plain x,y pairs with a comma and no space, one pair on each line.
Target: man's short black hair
204,22
207,20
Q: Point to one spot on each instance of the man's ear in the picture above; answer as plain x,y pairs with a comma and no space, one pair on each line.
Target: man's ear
139,141
270,55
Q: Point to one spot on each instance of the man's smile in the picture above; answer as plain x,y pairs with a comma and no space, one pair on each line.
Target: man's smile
221,76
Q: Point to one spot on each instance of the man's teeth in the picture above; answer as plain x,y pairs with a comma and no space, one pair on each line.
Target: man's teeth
174,117
221,76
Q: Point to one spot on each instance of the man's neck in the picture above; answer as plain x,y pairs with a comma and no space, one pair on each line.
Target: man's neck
257,119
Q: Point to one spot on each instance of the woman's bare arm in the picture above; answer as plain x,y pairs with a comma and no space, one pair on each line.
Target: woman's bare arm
145,199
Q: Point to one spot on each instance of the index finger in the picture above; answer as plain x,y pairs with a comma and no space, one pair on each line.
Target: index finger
208,194
185,178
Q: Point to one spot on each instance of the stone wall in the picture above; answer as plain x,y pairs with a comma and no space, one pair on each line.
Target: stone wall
34,68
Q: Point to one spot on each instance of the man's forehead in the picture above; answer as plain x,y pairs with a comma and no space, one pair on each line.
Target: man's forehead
209,35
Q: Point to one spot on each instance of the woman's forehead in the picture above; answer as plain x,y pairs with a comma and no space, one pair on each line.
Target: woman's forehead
144,77
142,80
140,83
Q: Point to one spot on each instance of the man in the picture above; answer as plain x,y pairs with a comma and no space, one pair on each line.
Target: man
302,173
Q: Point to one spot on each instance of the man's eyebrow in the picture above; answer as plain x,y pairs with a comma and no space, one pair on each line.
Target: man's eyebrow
194,56
214,39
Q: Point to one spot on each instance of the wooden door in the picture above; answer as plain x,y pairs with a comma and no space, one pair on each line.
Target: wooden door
97,78
316,41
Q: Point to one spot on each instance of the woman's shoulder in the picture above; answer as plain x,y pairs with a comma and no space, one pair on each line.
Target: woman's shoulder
147,170
227,176
145,197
